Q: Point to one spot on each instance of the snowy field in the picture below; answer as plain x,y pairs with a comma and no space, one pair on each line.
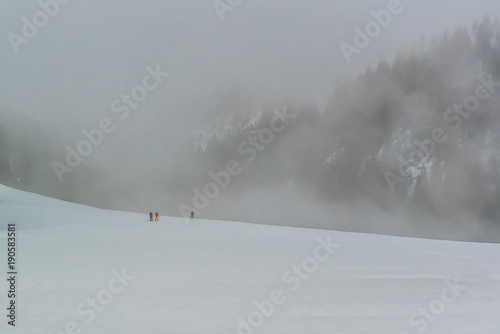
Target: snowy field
86,270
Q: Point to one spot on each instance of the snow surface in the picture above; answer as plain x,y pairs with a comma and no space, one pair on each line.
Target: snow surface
204,277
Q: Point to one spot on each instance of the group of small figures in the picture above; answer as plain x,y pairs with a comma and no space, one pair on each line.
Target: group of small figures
151,216
156,215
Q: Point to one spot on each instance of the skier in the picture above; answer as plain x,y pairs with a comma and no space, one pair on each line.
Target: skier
192,214
156,216
150,216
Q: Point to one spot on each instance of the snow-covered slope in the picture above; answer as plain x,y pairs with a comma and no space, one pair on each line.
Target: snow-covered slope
85,270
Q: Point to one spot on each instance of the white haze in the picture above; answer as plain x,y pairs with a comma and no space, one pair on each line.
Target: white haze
265,53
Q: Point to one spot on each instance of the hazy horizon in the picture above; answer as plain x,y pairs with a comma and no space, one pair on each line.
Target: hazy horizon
197,70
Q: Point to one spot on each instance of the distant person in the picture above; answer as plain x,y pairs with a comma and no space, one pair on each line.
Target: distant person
150,216
192,214
156,216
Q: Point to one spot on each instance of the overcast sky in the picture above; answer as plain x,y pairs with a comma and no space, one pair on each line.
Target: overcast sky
88,54
92,51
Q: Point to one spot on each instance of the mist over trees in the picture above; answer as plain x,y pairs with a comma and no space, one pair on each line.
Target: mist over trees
342,153
327,160
25,153
379,116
